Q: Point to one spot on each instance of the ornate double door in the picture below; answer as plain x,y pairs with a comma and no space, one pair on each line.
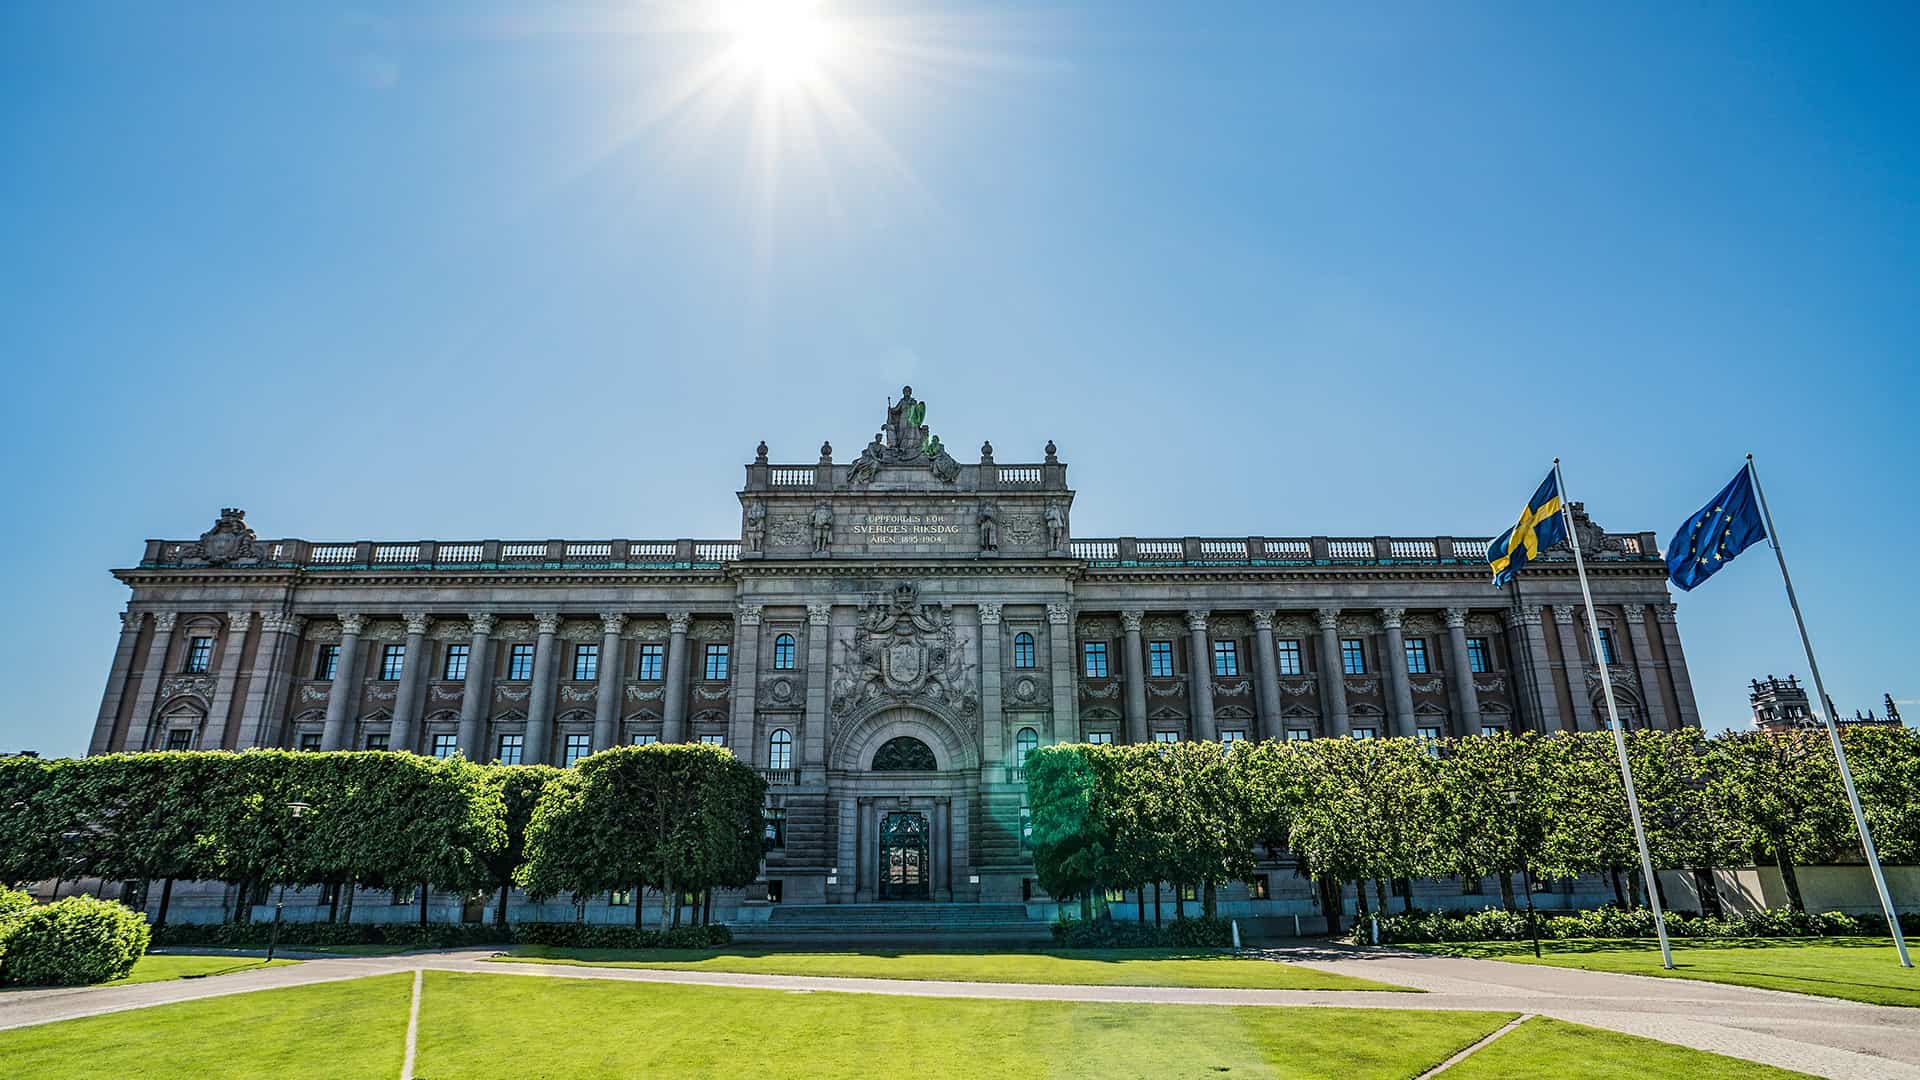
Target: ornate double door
904,874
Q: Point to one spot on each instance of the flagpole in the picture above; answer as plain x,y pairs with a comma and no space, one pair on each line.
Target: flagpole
1833,730
1613,721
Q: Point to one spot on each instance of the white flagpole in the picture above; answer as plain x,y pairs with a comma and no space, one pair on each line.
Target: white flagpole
1833,731
1613,721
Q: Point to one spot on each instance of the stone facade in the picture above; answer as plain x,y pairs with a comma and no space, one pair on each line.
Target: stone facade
900,611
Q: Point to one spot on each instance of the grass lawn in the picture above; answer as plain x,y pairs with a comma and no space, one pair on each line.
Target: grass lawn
152,968
1553,1048
1088,967
1858,969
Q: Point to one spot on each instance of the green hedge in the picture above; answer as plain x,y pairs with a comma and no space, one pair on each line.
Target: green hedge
1195,933
412,935
73,942
1426,927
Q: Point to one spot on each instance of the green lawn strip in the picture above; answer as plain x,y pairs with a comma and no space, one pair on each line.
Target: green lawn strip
156,967
475,1027
341,1030
1857,969
1115,967
1554,1048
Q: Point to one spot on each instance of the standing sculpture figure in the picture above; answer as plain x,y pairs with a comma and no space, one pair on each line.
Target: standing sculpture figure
822,527
989,527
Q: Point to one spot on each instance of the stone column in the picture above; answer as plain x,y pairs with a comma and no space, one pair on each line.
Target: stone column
992,720
1200,696
221,707
272,680
413,678
1066,688
1399,688
1136,676
1650,697
1333,674
1677,666
476,698
1467,711
343,698
1573,668
546,656
606,703
673,709
1526,623
743,685
1266,673
819,645
140,725
117,677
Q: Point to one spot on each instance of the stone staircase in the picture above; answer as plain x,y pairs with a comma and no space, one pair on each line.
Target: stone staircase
920,924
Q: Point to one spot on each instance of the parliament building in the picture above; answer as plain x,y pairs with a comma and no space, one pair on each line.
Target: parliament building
883,639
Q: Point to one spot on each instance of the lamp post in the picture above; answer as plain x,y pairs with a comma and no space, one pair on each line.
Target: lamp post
273,940
1526,871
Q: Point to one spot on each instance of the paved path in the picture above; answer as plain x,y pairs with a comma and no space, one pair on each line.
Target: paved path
1822,1036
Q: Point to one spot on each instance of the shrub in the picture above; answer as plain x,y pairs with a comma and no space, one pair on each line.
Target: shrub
73,942
1197,933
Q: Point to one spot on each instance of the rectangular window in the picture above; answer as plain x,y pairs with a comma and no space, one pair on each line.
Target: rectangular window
1606,646
510,749
393,660
326,661
1353,656
309,740
1094,655
713,740
180,739
1295,734
1289,656
1228,737
455,669
716,668
520,661
377,742
586,662
775,830
199,655
1478,659
645,740
1417,656
1166,736
445,746
1160,659
1258,888
652,659
1226,658
578,746
1100,738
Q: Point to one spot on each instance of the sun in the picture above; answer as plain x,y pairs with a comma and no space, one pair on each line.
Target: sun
785,44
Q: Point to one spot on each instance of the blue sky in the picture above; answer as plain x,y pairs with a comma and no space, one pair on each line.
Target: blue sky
460,271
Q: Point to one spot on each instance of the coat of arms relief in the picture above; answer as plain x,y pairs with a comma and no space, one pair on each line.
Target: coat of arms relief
904,651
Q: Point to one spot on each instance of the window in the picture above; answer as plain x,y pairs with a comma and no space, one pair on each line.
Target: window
445,746
1417,656
1295,734
620,898
780,749
1226,658
1023,650
1365,733
309,740
1259,888
1100,738
1229,737
586,662
377,742
578,746
1024,743
393,660
455,668
1160,659
199,655
716,669
713,740
645,740
1166,736
1094,654
652,658
520,661
1606,646
775,828
511,747
1353,656
783,652
1478,659
180,739
326,661
1289,656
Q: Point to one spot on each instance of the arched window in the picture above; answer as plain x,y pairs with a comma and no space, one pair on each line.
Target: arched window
1026,742
780,749
1023,650
783,652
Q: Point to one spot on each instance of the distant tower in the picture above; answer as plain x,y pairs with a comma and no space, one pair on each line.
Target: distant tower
1780,704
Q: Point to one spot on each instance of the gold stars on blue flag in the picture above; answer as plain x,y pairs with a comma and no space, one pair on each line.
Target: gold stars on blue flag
1540,527
1720,530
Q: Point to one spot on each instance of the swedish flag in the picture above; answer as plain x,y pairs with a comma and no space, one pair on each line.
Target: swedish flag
1720,530
1540,527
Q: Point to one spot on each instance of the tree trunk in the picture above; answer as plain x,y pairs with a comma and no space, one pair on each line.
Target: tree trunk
1156,903
1619,895
1209,901
423,905
500,910
166,898
1506,891
1790,879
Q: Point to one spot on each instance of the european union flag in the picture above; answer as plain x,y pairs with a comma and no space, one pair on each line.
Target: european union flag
1710,539
1540,527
